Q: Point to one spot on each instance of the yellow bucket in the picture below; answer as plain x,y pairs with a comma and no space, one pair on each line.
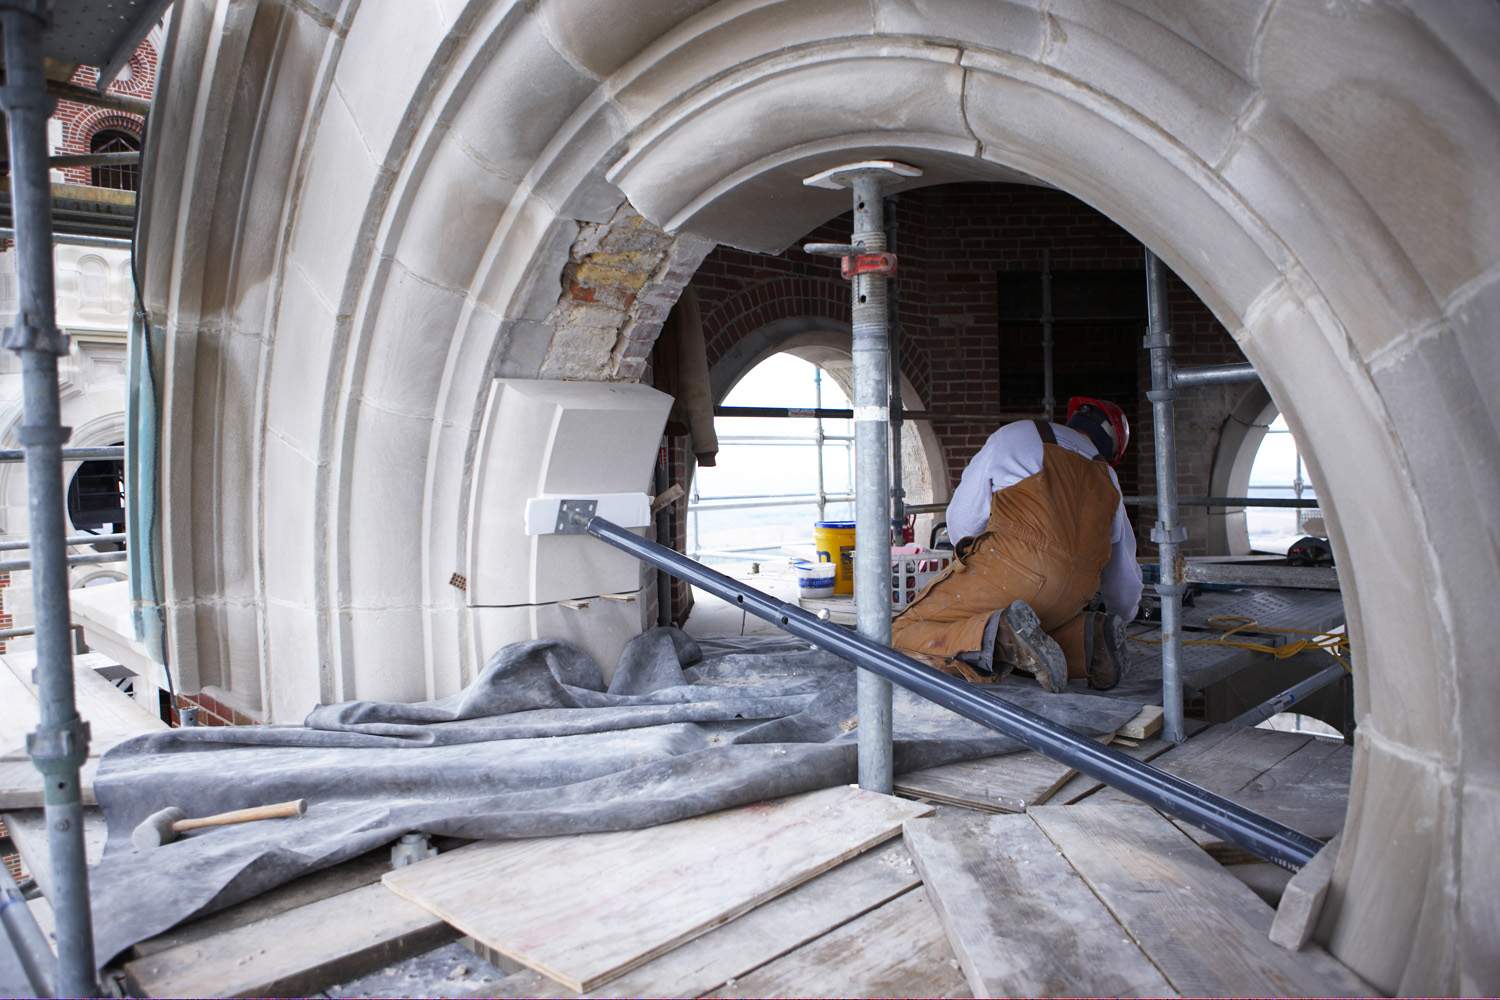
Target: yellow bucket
834,542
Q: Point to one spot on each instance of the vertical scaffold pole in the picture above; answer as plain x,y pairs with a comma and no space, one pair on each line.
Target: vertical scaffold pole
60,744
1168,534
868,267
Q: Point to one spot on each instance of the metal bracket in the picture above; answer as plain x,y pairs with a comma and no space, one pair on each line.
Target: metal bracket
574,515
411,848
65,746
853,265
1156,340
1162,395
24,336
1177,534
838,178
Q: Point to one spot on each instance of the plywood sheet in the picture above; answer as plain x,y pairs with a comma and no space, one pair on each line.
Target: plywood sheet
1020,919
1203,928
586,909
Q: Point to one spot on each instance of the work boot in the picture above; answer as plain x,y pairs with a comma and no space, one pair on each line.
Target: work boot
1105,649
1022,643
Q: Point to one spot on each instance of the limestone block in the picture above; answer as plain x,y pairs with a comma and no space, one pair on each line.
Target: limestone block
600,628
1479,873
389,50
449,653
297,382
522,282
521,346
868,86
450,217
1347,442
1469,31
289,548
383,652
1150,68
519,98
725,37
335,197
406,353
1282,172
571,173
1013,26
560,439
1124,169
1418,139
1456,484
1302,899
386,478
1224,31
1390,912
230,455
594,37
295,672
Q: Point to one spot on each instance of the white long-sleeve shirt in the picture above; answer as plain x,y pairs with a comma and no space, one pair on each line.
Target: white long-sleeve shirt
1014,453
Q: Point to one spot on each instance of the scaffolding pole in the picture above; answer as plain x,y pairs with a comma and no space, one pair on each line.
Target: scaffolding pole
60,744
1168,534
1049,399
868,266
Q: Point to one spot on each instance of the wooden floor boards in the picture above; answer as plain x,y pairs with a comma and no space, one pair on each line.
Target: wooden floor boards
584,910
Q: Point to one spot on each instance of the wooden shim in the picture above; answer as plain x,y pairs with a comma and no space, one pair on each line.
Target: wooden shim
296,952
588,908
896,950
765,933
1020,919
1203,928
1302,899
1008,783
361,871
1145,725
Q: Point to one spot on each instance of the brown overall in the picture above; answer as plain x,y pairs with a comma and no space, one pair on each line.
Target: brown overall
1047,542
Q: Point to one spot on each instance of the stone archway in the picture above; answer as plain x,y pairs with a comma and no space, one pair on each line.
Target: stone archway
322,302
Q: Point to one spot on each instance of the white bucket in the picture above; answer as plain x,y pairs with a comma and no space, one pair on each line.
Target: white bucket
815,579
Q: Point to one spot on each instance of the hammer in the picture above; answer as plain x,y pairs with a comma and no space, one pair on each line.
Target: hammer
163,826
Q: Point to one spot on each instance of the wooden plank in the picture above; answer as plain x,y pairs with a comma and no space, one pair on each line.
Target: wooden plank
28,828
1252,575
21,784
1020,919
760,936
1145,725
361,871
296,952
112,715
1203,928
586,909
1222,762
896,950
18,715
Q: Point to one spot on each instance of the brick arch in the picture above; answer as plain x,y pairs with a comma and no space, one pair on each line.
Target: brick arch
80,129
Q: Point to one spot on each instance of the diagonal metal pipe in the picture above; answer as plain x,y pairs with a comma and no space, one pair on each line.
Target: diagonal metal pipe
1263,837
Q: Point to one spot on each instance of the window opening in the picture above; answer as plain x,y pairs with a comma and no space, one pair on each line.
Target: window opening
96,497
1278,471
774,476
119,176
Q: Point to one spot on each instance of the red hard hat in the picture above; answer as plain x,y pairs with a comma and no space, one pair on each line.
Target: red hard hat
1117,422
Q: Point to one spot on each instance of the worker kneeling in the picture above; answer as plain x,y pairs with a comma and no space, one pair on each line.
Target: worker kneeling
1041,531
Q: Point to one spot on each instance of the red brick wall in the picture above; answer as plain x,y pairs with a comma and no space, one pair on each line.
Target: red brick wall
953,242
81,121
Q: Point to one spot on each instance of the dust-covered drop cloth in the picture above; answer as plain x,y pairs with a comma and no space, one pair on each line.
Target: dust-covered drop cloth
537,746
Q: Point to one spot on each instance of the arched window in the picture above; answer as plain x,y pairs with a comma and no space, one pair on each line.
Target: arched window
96,496
1278,471
120,176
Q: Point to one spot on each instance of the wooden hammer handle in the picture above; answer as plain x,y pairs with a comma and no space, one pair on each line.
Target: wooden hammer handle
279,810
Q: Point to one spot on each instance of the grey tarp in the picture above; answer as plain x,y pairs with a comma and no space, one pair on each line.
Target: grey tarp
536,746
